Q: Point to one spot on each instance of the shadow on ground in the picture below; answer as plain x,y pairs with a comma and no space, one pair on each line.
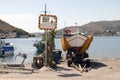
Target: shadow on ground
4,72
62,74
69,75
96,65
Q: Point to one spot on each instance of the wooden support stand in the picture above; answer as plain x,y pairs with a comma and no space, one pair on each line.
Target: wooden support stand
37,62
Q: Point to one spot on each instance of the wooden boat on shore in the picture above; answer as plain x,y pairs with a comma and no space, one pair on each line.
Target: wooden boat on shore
76,46
78,40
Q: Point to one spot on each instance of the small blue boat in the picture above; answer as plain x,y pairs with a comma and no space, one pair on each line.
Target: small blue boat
6,49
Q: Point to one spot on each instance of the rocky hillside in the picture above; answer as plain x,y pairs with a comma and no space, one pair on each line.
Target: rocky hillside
6,28
99,28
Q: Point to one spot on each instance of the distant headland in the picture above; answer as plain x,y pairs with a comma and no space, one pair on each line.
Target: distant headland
9,31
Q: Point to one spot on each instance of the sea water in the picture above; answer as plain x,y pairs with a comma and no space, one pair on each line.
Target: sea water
101,47
105,47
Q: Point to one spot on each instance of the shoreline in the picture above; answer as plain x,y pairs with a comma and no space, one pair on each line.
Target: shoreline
102,69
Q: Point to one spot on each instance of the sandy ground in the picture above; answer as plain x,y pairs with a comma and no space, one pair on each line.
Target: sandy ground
102,69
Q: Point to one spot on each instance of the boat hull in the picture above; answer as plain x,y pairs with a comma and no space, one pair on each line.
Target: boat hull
7,51
76,41
65,44
86,44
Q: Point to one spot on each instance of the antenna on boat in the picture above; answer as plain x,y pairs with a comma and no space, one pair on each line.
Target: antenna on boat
76,24
65,23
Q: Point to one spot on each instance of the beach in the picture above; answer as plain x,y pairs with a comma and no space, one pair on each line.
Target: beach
101,69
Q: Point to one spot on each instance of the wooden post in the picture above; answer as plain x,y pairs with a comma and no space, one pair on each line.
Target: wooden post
46,49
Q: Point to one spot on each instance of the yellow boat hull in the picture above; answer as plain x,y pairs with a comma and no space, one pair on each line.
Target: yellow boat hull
84,47
86,44
65,45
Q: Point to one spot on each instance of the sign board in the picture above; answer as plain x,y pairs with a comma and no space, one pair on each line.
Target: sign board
47,22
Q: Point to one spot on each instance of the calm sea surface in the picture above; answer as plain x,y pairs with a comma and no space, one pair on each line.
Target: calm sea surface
101,47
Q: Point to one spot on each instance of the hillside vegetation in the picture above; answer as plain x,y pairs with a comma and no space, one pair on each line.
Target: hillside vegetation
98,28
6,28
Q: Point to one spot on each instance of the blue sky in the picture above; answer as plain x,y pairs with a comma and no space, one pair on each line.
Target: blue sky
24,13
